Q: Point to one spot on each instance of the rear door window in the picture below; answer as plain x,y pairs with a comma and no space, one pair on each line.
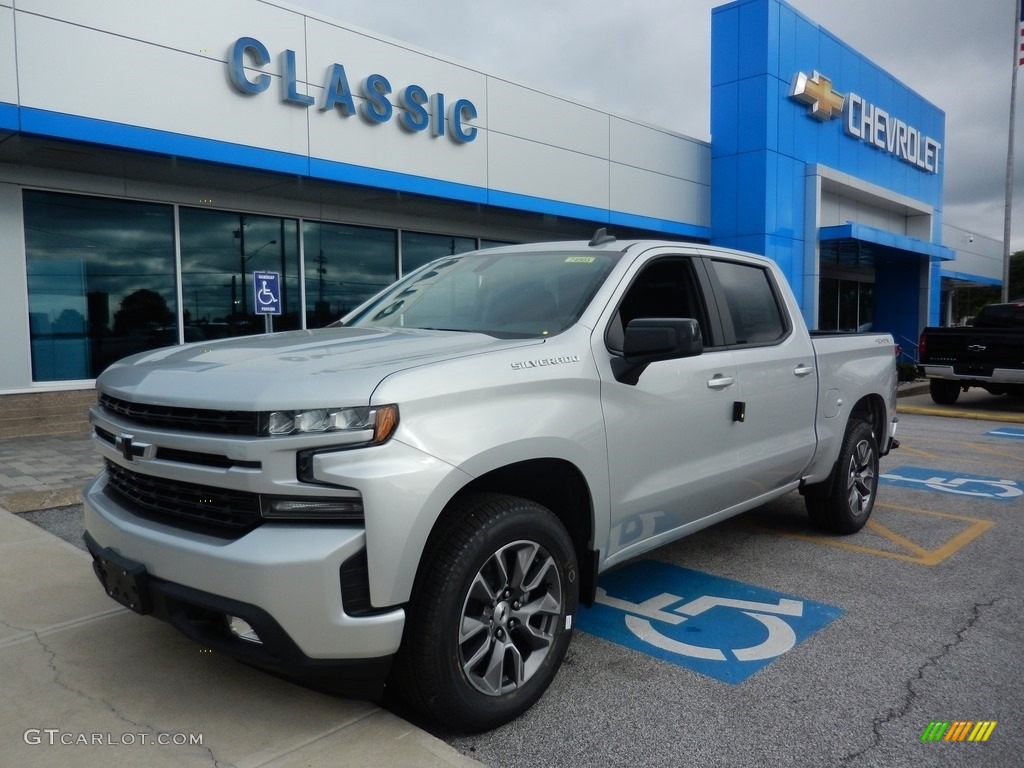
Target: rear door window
751,303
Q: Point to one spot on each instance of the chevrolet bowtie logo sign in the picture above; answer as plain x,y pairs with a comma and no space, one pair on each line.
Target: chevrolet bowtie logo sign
816,91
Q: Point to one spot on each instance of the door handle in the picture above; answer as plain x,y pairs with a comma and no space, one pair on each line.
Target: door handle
803,370
718,381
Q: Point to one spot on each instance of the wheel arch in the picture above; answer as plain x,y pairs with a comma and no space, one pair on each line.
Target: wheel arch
555,484
870,408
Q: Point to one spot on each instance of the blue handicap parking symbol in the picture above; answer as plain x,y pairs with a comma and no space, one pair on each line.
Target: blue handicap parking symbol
957,484
266,288
721,628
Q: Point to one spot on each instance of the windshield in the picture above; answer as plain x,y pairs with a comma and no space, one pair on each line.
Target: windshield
507,295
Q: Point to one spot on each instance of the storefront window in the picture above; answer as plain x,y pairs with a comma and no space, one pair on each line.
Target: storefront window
100,281
845,305
345,265
419,247
220,250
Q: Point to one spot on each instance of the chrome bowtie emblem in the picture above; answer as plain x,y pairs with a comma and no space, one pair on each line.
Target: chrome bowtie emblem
123,443
131,450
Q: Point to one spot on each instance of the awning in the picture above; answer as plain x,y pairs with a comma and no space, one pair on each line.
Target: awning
853,243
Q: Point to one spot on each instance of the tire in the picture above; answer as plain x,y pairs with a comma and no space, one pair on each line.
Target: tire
843,504
943,392
491,614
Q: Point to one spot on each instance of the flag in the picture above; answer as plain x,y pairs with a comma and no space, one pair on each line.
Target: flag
1020,34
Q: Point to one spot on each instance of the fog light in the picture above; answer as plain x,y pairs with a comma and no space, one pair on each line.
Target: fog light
241,629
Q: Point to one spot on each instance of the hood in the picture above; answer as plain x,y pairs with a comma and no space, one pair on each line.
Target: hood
299,369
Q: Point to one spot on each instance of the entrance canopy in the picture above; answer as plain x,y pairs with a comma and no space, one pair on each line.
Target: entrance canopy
861,245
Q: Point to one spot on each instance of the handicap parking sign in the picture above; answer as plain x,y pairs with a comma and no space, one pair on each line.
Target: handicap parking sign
266,288
721,628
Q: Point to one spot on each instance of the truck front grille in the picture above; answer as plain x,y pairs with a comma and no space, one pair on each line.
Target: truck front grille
183,419
201,508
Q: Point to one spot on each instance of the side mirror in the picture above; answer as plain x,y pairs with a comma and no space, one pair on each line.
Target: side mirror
648,339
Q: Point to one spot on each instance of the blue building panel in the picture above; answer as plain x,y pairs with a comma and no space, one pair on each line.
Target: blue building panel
767,44
789,202
723,198
9,117
724,133
753,42
830,54
751,193
805,43
788,115
789,21
752,128
725,39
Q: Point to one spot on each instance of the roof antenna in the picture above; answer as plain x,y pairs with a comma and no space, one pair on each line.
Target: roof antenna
601,237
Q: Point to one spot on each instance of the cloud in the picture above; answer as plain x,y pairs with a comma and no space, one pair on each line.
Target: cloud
649,59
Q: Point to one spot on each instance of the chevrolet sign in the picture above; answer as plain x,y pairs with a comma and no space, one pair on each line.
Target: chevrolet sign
866,121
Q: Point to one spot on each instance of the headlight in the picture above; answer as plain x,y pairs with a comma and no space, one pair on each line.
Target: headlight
367,424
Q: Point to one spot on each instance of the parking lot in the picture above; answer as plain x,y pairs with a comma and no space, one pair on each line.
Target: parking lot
759,641
915,620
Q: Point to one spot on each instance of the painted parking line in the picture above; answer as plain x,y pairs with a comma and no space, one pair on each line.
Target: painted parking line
718,627
905,549
1011,432
977,486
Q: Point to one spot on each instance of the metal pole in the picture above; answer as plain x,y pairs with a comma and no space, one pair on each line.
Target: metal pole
1005,294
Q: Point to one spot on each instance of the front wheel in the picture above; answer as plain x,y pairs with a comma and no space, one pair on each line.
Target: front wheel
843,505
491,614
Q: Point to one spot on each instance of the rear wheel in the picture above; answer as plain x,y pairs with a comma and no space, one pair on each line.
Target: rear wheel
491,614
843,505
944,392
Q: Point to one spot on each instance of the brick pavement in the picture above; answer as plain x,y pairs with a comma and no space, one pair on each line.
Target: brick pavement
43,471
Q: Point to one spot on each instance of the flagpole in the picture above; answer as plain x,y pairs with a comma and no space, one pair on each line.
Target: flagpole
1018,52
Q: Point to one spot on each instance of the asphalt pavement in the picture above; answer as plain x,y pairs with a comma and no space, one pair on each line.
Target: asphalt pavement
917,619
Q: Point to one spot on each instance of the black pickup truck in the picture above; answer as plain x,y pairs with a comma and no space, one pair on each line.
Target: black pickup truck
989,354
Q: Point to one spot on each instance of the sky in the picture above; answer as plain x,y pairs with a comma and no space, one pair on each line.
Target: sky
650,60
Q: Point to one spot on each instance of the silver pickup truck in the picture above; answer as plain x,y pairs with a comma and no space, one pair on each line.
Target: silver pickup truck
423,496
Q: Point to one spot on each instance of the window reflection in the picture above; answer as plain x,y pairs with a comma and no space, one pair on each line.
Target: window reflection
100,281
845,305
220,250
345,265
418,248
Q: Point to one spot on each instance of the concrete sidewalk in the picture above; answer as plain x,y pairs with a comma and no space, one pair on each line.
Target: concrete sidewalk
87,683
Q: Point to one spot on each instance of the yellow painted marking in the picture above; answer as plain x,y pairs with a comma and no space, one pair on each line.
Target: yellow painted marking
895,538
990,449
1016,418
960,446
918,554
923,454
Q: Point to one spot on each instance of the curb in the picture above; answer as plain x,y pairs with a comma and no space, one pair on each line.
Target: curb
1013,418
33,501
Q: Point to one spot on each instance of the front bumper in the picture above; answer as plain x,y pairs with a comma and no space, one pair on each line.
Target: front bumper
200,616
283,580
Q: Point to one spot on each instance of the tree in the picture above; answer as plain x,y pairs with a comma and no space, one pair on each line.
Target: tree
1016,283
141,309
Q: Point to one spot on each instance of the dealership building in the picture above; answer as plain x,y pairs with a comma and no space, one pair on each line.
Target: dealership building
155,156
